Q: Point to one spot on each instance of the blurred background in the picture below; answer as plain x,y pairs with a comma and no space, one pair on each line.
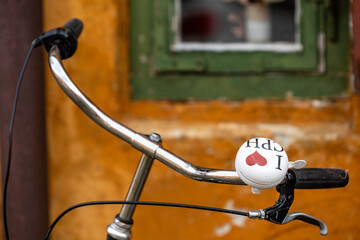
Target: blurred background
205,75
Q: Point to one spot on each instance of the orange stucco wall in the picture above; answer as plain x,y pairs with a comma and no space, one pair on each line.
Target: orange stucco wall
86,163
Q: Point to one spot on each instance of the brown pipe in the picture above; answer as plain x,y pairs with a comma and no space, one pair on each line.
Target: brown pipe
27,208
355,9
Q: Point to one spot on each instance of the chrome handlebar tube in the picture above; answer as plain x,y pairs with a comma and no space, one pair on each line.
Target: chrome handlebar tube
135,139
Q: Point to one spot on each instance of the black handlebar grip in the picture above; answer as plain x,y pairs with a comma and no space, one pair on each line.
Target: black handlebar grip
75,25
65,38
313,178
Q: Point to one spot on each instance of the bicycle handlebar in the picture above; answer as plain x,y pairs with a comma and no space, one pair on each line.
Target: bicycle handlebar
308,178
137,140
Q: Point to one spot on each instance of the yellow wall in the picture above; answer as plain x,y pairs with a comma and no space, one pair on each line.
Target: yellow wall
86,163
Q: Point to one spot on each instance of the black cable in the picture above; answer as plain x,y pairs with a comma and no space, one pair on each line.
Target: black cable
11,130
163,204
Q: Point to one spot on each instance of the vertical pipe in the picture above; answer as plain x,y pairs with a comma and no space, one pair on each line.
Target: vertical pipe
136,187
121,227
355,51
20,23
355,11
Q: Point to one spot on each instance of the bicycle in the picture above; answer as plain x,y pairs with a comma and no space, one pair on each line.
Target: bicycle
260,163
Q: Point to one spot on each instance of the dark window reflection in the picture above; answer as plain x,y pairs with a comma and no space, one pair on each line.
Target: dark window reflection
231,21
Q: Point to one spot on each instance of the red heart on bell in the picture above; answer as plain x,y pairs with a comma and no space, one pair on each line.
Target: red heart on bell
256,158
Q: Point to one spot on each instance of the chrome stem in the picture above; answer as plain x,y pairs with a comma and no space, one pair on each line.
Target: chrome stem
136,188
120,229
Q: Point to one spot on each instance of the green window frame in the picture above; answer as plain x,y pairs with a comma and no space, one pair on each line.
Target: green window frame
319,69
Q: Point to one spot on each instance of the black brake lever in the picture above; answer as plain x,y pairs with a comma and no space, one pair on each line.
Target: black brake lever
279,212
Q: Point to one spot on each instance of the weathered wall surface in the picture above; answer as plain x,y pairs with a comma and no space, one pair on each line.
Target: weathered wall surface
86,163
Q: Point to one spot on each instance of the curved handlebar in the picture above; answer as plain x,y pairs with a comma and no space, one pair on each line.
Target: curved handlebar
318,178
137,140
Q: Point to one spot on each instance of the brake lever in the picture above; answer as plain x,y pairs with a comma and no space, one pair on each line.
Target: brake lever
308,219
279,212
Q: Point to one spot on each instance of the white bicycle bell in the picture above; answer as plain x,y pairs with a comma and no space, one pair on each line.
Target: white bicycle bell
262,163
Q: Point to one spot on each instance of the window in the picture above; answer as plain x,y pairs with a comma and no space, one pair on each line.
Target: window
214,25
206,49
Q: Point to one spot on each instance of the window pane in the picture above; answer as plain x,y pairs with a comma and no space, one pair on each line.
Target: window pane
237,21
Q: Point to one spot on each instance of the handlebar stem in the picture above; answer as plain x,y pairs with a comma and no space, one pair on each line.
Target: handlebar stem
120,229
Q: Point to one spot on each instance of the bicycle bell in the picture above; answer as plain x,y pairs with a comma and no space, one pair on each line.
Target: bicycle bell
262,163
